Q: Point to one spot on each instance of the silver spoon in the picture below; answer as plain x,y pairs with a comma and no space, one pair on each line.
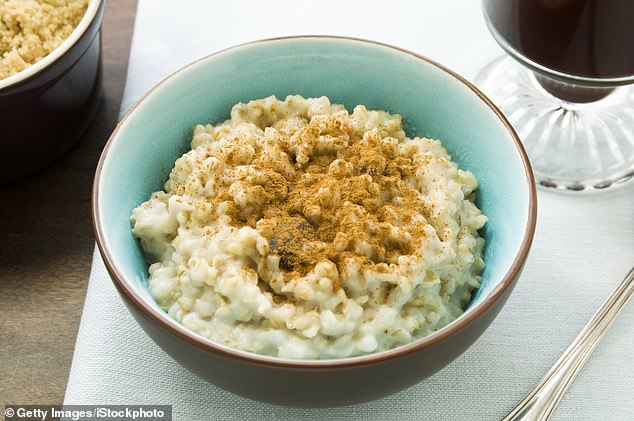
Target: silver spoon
540,403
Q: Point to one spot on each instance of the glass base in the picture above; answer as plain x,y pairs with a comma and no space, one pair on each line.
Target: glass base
573,146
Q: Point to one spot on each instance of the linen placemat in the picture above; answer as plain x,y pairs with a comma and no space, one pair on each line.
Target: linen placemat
583,245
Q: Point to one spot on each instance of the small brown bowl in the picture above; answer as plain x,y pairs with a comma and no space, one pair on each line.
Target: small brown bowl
434,101
46,107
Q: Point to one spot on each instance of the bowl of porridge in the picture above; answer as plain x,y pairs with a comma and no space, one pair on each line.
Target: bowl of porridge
50,79
300,231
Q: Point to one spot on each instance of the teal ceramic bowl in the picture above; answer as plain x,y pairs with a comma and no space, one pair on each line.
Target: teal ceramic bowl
433,101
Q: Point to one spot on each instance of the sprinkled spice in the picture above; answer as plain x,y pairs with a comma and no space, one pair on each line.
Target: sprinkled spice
349,200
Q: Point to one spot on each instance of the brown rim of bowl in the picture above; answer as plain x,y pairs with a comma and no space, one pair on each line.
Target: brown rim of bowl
461,322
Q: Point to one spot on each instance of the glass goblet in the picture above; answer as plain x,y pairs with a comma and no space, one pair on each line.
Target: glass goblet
566,87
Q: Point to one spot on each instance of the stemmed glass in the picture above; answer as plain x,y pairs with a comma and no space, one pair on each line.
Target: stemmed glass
566,88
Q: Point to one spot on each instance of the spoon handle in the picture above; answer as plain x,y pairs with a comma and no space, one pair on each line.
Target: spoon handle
540,403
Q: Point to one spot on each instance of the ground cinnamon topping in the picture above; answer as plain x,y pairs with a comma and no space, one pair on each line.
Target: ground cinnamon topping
324,192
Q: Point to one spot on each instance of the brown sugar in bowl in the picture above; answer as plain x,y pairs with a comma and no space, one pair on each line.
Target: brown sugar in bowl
45,108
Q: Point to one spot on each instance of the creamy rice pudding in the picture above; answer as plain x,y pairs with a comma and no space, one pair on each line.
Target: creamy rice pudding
300,230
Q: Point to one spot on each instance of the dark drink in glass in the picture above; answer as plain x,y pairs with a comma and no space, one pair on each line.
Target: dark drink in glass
588,38
570,98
